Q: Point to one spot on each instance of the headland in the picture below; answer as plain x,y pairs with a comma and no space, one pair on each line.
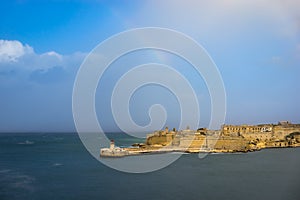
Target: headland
229,139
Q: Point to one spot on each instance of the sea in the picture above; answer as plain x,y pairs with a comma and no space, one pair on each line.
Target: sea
47,166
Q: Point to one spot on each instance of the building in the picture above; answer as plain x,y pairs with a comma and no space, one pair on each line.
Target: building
244,129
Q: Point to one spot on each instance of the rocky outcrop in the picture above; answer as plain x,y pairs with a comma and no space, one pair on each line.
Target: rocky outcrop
229,139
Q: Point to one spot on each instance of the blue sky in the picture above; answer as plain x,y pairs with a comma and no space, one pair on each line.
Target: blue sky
255,44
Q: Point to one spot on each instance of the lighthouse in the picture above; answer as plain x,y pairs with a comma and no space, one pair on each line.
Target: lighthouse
112,145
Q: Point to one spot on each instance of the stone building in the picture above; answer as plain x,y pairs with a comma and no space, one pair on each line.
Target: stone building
243,129
261,132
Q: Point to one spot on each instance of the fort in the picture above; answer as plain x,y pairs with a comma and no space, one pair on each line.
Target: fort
229,139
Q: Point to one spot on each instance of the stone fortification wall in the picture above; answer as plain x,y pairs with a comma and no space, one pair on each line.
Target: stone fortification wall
160,139
281,131
234,130
230,138
229,143
258,136
192,141
263,132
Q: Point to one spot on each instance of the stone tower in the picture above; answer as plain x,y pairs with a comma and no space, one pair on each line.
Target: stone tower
112,144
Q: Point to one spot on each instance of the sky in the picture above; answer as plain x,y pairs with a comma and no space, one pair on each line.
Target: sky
255,45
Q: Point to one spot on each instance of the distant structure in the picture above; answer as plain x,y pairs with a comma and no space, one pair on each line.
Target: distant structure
243,129
113,151
230,138
261,131
284,123
112,145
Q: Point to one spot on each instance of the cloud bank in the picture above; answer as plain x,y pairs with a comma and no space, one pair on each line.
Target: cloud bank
20,61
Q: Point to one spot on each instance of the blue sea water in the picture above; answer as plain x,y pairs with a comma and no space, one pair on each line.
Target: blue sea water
57,166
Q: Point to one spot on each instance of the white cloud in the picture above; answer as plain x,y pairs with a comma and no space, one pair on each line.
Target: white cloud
52,54
12,50
16,56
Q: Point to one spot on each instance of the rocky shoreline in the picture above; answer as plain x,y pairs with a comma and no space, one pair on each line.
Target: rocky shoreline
230,139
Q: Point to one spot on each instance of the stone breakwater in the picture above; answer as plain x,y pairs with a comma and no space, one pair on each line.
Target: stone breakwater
229,139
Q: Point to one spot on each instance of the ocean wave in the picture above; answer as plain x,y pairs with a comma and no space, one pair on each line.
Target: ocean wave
23,182
3,171
27,142
14,180
57,164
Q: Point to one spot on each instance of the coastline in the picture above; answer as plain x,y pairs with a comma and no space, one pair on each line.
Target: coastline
229,139
135,152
